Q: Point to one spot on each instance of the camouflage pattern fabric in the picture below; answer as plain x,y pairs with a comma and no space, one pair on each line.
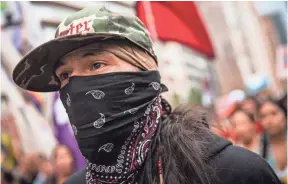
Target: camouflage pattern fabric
35,72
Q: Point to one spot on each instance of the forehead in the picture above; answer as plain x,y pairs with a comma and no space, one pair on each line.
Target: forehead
248,102
62,150
81,54
240,115
268,107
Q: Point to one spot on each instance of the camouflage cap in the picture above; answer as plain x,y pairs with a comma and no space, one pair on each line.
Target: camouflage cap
35,72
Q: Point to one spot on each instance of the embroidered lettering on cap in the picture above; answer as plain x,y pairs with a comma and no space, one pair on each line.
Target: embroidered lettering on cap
83,26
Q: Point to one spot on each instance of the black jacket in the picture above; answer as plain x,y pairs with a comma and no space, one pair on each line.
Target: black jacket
231,165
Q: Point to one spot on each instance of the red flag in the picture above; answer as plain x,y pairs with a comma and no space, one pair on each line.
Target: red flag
176,21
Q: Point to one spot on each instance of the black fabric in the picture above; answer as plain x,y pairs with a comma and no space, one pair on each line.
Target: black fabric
114,117
264,148
228,165
235,165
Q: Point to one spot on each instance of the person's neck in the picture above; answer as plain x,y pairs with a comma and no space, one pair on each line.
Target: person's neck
251,144
61,178
278,138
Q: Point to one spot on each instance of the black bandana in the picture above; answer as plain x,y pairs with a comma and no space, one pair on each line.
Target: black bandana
114,117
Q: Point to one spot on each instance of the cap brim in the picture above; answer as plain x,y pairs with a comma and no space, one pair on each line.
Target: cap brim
35,72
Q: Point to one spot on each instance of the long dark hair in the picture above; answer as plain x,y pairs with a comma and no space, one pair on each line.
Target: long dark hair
181,146
265,136
277,103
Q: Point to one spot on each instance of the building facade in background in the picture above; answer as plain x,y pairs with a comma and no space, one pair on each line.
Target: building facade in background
273,17
228,74
245,43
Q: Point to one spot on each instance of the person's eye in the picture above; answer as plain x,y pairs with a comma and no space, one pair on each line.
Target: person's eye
97,65
63,76
263,116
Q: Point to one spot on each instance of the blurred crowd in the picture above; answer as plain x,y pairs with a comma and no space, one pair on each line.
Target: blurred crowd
259,124
35,168
19,167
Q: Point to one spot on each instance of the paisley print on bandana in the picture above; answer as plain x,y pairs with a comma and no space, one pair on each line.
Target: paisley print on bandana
129,91
155,85
131,111
97,94
74,129
115,123
99,122
106,147
68,101
133,152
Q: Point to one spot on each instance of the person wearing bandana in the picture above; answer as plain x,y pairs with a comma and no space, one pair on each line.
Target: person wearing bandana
105,68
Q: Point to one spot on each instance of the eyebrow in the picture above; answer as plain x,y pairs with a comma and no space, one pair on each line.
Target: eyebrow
58,65
88,53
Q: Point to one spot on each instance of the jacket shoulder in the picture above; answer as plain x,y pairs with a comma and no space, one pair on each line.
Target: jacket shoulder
77,178
238,165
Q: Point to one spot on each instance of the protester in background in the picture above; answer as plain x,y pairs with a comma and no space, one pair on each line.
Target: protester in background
274,121
45,173
216,125
28,166
25,173
263,95
64,164
222,128
250,105
246,131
